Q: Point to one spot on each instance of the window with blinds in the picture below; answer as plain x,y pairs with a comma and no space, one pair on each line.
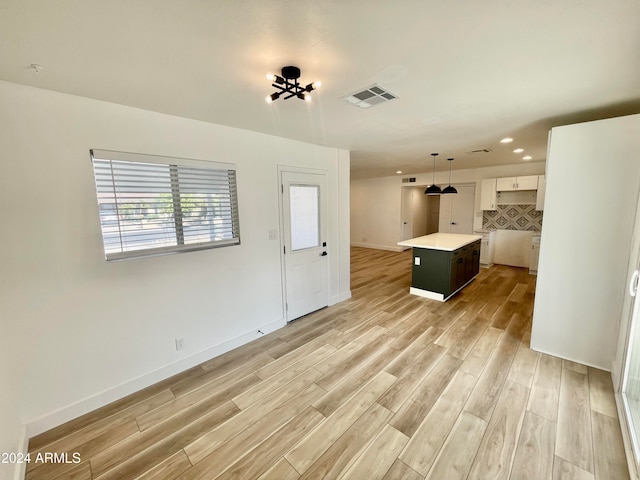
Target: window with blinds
152,205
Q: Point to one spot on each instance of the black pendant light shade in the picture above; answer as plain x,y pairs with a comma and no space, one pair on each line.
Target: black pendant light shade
449,189
433,189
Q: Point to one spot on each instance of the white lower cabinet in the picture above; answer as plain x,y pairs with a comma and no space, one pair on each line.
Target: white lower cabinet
486,249
535,255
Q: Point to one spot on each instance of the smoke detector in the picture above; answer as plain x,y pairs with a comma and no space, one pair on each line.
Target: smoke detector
370,96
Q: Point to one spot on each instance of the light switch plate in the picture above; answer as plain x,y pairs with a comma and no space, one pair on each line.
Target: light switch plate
416,260
273,234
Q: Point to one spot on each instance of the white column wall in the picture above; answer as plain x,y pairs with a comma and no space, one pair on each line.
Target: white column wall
85,331
593,176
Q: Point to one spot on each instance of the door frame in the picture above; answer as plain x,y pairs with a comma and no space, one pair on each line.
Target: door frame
405,198
621,360
621,365
281,213
463,184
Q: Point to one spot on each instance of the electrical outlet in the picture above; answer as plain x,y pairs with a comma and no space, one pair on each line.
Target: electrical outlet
179,343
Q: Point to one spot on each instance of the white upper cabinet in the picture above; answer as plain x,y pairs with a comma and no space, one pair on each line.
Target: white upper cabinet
506,184
542,186
488,194
529,182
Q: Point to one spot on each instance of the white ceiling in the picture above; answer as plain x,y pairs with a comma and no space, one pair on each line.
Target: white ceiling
467,72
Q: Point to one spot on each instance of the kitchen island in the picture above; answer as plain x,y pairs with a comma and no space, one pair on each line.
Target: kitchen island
443,263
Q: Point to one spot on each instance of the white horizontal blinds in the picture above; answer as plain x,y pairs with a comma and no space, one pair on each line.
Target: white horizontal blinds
153,208
208,204
136,211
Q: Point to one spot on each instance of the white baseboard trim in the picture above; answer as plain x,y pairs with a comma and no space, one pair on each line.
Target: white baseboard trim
435,295
75,410
599,367
426,294
379,247
340,297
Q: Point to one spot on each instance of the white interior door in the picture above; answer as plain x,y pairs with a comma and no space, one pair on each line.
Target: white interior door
305,248
407,213
456,210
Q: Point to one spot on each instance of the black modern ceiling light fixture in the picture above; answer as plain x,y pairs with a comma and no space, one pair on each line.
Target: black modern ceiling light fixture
433,189
288,85
449,189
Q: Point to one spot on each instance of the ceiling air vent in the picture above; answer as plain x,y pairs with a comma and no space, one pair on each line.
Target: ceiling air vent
482,150
409,180
370,96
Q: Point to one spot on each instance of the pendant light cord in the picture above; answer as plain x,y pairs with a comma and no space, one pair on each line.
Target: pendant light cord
433,179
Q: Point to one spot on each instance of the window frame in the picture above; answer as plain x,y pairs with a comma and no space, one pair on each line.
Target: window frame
176,167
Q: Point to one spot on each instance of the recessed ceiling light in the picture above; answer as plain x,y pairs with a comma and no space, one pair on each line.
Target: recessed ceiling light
399,172
518,150
527,157
506,140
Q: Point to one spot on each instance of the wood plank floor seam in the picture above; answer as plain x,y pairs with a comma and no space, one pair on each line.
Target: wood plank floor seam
384,385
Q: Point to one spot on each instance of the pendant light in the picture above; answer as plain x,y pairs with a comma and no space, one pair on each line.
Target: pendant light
449,189
433,189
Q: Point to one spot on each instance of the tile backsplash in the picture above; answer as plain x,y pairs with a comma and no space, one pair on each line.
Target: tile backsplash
512,217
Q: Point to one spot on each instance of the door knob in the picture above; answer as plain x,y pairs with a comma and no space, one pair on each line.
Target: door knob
323,254
453,223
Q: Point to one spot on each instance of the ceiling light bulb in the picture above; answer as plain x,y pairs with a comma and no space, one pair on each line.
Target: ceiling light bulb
271,77
527,157
317,84
518,150
506,140
307,97
268,99
399,172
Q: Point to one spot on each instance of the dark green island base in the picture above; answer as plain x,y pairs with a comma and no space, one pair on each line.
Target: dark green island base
444,265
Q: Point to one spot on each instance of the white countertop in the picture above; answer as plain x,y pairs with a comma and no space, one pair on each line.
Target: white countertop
441,241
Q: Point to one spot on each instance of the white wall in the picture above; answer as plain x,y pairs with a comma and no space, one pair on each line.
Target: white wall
376,220
593,176
11,429
87,331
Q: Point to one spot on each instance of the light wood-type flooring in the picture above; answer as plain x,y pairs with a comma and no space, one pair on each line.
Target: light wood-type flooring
385,385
